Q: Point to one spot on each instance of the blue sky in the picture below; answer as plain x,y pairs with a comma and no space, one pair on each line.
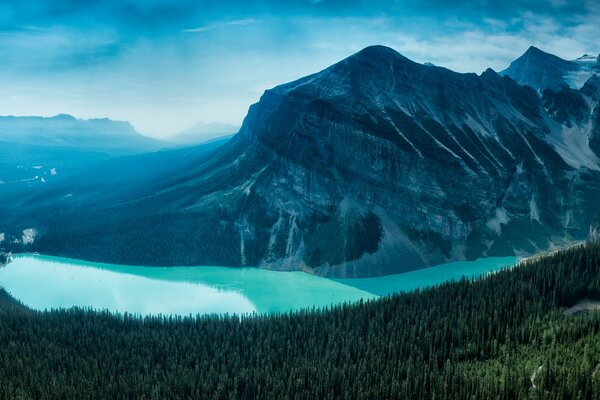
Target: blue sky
166,65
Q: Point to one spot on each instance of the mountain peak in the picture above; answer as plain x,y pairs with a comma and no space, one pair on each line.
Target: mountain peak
541,55
540,70
489,72
587,59
532,50
369,66
377,49
64,117
377,53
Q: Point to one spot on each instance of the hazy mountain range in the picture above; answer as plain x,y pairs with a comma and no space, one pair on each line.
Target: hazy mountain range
202,132
67,131
374,165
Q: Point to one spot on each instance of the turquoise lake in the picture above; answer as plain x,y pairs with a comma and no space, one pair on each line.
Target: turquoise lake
43,282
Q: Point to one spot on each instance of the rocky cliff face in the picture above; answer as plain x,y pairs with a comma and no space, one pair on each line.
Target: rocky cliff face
379,165
541,70
591,90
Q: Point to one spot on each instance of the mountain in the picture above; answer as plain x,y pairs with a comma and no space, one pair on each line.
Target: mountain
542,70
202,132
41,148
68,132
375,165
588,59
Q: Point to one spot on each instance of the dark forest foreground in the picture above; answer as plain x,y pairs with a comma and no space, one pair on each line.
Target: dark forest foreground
506,336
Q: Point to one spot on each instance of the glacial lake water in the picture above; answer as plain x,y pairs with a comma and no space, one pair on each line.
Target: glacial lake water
44,282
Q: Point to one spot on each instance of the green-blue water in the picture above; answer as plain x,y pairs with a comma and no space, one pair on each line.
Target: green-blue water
430,276
43,282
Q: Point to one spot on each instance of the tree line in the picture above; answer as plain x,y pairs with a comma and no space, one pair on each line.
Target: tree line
506,336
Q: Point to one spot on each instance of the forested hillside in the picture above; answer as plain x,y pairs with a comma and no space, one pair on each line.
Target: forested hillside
507,336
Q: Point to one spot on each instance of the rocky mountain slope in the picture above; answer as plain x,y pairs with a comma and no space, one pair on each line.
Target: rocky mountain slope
375,165
542,70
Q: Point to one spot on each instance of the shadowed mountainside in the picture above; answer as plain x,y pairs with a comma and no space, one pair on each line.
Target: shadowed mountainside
375,165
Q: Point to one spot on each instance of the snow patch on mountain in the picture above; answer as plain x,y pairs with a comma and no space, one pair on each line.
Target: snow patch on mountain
477,127
588,66
572,144
576,79
500,218
29,235
393,124
534,213
587,59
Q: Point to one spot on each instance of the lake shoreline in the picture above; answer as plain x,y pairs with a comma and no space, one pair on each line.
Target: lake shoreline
46,282
547,253
306,271
65,283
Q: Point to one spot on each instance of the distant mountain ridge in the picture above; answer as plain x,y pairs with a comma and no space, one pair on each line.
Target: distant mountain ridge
67,131
375,165
202,132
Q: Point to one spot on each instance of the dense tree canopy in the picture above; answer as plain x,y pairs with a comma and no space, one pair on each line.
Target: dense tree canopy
506,336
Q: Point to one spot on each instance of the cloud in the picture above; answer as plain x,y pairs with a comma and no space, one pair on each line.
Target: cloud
471,51
167,64
49,49
198,29
495,23
223,24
